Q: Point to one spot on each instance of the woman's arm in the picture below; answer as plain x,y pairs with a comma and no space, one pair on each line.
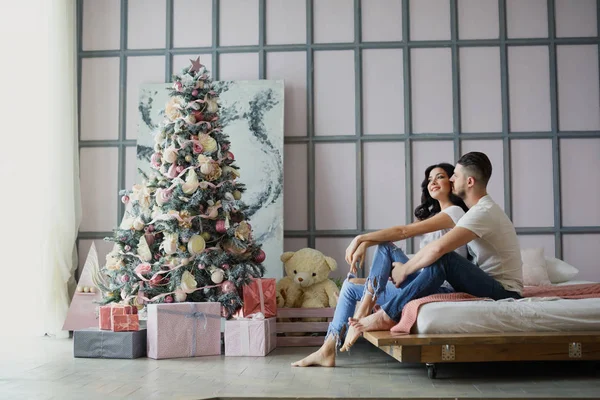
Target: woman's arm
437,222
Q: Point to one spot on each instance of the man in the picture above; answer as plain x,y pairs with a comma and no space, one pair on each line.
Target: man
496,270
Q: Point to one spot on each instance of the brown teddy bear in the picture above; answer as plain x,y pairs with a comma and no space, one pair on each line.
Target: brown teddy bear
307,284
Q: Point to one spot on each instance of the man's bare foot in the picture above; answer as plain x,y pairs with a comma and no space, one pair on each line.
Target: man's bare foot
319,358
374,322
351,336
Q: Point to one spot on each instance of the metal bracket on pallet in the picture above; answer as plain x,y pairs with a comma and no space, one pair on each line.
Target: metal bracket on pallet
448,352
574,350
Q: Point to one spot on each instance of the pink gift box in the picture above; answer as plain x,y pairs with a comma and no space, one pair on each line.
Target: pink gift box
250,337
125,323
179,330
259,296
106,313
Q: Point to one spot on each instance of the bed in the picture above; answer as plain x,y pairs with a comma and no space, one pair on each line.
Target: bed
530,329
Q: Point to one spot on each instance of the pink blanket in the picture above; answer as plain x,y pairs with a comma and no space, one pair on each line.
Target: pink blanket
411,310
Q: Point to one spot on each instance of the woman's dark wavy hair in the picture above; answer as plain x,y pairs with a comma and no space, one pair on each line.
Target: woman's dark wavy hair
430,206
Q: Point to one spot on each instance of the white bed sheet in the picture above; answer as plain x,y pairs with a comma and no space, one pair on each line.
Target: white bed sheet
524,315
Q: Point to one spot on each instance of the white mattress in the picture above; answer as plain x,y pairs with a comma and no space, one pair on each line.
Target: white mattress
524,315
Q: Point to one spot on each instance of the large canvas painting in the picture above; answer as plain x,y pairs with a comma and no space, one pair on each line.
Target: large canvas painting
252,115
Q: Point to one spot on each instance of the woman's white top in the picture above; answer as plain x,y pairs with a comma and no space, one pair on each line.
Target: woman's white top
455,212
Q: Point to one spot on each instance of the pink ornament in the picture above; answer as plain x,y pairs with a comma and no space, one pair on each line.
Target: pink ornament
221,226
230,156
125,199
168,299
199,117
225,266
197,148
157,256
127,247
124,278
194,92
178,86
225,147
150,228
143,268
172,172
155,159
179,169
228,287
201,266
260,257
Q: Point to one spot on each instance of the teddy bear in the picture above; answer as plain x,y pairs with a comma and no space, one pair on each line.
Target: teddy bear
307,284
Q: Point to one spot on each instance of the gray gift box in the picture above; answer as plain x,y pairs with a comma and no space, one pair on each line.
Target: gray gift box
96,343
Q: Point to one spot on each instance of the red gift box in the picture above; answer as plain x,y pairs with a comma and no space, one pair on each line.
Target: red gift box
259,296
107,312
125,323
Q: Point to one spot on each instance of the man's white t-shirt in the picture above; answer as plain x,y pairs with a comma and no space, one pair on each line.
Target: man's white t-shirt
496,250
456,213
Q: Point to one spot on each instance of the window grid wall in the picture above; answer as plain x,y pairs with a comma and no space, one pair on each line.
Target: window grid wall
359,138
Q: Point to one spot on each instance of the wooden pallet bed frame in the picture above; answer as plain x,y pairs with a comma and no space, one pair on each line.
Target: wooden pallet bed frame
432,349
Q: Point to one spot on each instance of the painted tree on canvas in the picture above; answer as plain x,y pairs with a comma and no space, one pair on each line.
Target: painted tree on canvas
185,235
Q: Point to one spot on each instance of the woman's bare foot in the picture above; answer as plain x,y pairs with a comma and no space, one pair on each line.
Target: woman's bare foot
374,322
351,336
324,357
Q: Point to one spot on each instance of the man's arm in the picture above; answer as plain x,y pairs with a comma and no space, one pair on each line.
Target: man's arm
429,254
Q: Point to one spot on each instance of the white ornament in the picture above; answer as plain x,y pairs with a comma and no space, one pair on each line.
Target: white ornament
217,276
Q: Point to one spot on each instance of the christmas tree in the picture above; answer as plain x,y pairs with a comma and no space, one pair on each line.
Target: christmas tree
184,236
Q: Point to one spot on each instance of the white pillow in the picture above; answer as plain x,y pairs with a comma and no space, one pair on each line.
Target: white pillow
534,267
559,271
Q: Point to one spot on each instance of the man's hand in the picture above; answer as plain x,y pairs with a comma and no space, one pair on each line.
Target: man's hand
399,273
358,258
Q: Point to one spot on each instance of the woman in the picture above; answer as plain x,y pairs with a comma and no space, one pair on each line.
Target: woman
438,212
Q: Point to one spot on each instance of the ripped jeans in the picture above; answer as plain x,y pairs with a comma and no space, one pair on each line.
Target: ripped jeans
385,291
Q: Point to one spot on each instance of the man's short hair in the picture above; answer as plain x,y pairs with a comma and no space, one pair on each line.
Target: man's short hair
478,166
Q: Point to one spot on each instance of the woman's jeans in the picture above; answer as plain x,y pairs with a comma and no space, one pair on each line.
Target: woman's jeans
383,290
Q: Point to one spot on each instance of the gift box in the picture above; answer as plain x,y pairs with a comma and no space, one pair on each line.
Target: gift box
258,297
106,313
97,343
179,330
250,337
125,323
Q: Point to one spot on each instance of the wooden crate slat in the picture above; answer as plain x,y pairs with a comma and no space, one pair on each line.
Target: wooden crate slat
305,312
299,326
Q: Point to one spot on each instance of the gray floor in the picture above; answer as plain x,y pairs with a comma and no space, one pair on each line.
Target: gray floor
44,368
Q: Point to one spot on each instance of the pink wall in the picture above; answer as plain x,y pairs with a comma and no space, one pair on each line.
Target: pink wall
382,76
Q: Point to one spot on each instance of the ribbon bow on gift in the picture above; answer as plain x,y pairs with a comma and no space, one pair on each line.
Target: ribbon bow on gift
252,317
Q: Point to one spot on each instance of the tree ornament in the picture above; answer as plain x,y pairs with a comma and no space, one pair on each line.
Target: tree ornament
125,199
168,299
260,257
217,276
228,287
206,235
196,245
220,227
170,243
138,224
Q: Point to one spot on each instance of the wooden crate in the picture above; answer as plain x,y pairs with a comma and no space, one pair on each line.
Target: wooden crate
302,327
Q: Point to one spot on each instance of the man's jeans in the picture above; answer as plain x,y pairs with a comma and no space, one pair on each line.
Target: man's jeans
463,275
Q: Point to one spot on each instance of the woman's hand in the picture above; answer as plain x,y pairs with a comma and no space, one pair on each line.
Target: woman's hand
351,249
358,258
